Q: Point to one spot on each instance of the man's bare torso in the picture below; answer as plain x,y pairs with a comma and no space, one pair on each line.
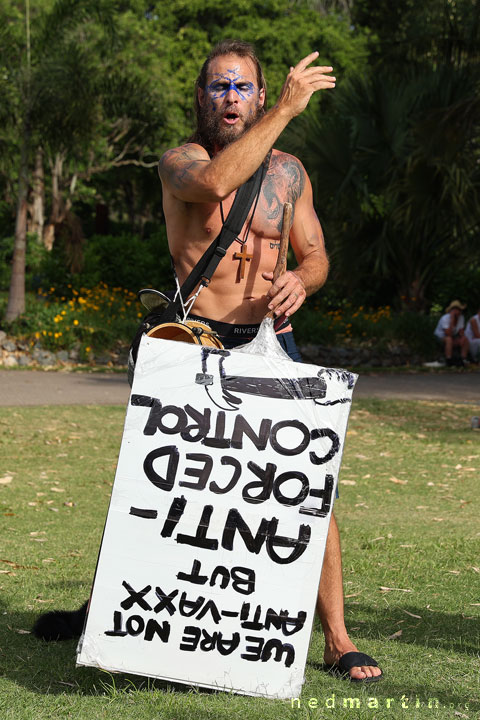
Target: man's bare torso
237,291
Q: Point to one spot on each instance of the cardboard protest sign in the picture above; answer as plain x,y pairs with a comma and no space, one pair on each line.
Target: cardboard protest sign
213,545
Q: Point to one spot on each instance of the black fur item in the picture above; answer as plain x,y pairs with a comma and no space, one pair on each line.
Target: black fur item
60,624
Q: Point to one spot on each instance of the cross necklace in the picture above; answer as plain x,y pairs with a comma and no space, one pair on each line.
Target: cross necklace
243,256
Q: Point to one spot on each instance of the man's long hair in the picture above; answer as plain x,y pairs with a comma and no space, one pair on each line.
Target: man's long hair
226,47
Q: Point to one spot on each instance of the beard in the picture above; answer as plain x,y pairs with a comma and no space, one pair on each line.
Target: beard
216,134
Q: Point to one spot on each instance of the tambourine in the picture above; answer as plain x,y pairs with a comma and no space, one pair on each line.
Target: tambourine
192,331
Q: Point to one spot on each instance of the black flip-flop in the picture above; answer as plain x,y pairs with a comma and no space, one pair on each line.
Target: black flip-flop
350,660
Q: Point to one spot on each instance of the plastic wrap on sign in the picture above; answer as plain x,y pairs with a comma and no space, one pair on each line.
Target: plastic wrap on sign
214,540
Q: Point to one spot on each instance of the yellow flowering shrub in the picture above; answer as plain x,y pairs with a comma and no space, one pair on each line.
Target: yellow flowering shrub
91,319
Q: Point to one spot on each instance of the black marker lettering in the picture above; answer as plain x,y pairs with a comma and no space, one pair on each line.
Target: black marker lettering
254,651
157,480
117,626
226,647
265,485
237,471
335,440
135,597
276,646
165,601
298,545
190,638
289,424
218,440
157,415
325,494
243,580
203,473
253,624
212,609
200,538
224,575
235,522
194,576
174,514
153,627
242,427
284,622
135,625
201,424
297,499
190,607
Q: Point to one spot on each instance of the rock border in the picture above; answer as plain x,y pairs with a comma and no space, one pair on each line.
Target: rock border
15,353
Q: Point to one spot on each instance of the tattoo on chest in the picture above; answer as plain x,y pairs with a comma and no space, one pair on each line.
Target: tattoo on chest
284,182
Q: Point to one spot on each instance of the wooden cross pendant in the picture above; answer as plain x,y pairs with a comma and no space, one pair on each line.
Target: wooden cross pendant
243,257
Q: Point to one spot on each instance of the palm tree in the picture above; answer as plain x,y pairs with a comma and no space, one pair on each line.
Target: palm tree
396,168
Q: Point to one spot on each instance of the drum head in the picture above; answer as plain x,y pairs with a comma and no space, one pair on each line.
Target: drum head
153,299
173,331
186,332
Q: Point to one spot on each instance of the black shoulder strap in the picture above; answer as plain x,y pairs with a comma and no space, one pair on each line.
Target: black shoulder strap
206,266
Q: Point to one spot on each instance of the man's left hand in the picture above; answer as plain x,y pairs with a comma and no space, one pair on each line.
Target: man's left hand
287,293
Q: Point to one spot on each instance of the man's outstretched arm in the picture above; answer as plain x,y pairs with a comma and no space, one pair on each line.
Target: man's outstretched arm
190,174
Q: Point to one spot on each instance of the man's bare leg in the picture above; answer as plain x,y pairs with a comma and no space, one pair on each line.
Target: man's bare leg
448,347
330,606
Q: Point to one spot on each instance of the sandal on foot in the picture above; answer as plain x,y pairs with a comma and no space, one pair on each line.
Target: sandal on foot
350,660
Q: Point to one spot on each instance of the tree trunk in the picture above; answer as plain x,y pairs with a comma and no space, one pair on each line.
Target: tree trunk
57,214
16,295
38,192
129,190
413,294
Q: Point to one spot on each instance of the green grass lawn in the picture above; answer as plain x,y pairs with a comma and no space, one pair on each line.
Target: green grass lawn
408,515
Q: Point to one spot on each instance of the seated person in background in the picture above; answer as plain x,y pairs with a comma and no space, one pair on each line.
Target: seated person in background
450,334
473,336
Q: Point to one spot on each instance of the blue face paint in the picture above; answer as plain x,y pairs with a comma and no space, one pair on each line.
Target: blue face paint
231,80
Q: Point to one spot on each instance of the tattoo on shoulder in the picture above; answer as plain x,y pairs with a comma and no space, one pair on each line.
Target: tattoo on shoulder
296,175
284,182
179,165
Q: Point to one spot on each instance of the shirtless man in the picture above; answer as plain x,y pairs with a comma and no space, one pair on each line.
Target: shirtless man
199,179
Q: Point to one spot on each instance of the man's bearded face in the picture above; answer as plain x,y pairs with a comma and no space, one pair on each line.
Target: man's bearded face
231,101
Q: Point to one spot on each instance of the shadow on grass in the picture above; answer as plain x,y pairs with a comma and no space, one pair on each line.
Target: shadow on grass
423,692
420,627
49,668
419,676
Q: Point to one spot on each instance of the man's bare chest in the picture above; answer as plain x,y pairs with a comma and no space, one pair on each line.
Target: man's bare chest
264,219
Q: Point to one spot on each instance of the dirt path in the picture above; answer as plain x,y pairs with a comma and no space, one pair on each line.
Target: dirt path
31,387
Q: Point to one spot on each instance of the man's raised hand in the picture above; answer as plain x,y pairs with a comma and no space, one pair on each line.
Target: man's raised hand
302,81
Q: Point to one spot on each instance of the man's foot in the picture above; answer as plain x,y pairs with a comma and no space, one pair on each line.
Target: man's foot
339,660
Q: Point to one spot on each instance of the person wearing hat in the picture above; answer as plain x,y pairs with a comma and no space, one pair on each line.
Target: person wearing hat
450,333
473,335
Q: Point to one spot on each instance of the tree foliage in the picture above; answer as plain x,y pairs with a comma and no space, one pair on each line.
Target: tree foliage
396,170
93,91
424,35
395,161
